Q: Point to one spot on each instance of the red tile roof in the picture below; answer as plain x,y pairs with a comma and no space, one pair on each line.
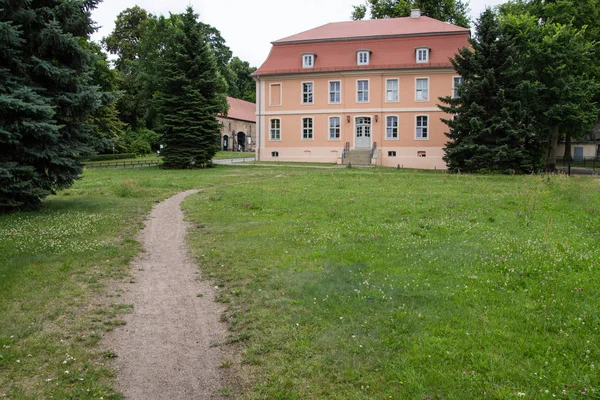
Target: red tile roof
386,53
374,28
241,110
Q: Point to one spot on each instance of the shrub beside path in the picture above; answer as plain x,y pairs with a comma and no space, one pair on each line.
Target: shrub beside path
167,349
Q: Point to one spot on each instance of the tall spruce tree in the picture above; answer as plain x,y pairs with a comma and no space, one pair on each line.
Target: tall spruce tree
45,98
492,127
191,97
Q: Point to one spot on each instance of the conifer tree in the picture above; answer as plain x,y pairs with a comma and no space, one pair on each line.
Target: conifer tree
192,96
492,126
45,98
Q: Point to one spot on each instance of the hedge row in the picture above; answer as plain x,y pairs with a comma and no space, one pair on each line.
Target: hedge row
106,157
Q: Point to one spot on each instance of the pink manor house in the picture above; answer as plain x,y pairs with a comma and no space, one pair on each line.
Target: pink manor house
360,92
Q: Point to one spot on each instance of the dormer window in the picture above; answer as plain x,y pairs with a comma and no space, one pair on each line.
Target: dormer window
308,60
362,57
422,55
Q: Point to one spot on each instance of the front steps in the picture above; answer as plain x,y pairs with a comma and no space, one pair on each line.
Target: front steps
357,157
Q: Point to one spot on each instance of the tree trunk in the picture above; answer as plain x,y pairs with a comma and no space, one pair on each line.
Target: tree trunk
567,154
551,160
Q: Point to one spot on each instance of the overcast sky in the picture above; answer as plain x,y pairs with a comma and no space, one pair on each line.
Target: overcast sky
249,27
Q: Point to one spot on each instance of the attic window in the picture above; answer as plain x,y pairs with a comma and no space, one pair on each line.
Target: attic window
362,57
422,55
308,60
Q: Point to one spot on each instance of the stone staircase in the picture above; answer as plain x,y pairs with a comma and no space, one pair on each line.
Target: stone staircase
357,157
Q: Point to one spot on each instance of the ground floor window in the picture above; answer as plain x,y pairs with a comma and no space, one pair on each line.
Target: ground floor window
274,154
391,154
422,131
391,127
307,128
275,129
334,127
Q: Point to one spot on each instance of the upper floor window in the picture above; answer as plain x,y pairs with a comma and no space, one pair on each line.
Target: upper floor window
334,127
307,128
422,55
362,91
275,129
362,57
391,92
456,82
422,131
422,89
307,92
335,91
308,60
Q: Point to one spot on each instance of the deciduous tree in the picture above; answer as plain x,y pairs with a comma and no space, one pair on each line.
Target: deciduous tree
453,11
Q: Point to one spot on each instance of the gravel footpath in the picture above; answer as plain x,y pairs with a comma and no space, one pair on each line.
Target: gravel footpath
167,349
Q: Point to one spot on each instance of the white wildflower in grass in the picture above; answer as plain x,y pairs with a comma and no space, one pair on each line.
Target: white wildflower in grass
520,394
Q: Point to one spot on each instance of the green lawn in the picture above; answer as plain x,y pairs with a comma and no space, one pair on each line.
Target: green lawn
340,283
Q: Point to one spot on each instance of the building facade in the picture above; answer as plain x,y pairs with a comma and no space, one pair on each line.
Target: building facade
238,127
369,86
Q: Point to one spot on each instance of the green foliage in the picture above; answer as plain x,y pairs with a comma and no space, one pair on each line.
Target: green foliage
191,95
453,11
123,40
46,98
105,157
493,129
242,86
142,142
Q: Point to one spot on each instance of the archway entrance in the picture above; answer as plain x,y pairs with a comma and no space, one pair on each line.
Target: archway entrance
225,143
241,139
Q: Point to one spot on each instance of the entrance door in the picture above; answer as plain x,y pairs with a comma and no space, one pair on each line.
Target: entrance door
241,136
578,150
225,143
363,132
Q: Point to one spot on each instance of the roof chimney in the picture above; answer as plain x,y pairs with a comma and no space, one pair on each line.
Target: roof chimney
415,13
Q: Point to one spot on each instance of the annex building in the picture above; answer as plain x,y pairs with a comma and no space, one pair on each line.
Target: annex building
364,92
238,127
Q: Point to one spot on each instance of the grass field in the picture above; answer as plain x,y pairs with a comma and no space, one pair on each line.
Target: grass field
340,284
233,154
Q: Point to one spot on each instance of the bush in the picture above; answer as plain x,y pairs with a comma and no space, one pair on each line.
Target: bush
107,157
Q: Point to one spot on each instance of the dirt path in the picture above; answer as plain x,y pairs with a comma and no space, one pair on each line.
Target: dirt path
166,350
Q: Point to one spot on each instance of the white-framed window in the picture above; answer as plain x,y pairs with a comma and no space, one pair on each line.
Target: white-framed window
422,127
335,128
456,82
422,55
274,154
307,92
335,92
308,60
422,89
275,129
362,91
362,57
391,127
391,89
391,153
307,128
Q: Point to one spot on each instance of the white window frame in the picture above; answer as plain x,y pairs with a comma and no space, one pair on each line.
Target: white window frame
417,89
302,93
426,127
397,90
454,87
368,90
308,60
271,129
397,127
329,92
312,128
329,127
418,51
366,53
280,94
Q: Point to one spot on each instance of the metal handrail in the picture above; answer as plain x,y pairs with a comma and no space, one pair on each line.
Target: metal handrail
346,149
